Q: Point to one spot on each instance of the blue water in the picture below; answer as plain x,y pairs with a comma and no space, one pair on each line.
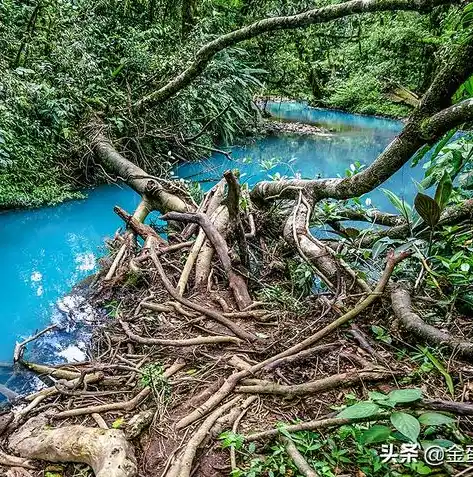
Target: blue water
360,139
45,252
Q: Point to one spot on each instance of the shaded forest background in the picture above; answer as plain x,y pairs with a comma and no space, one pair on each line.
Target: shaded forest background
64,62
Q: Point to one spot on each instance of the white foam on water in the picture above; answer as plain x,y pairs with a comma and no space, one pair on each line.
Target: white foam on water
72,354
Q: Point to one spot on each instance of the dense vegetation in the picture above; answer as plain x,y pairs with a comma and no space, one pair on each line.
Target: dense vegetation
61,63
94,89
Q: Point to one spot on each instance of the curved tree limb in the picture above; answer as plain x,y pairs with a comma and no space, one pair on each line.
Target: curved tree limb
302,20
400,150
151,190
414,324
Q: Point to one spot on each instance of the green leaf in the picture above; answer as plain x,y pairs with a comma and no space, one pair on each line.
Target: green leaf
441,368
360,410
428,209
405,395
376,396
403,208
444,190
406,424
435,419
420,154
118,423
376,433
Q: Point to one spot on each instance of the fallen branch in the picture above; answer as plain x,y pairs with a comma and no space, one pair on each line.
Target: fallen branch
236,281
200,340
413,323
244,335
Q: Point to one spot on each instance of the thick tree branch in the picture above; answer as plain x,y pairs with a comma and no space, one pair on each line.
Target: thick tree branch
302,20
151,190
447,119
428,115
416,326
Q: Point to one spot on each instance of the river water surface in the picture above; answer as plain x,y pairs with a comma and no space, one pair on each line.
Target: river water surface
45,252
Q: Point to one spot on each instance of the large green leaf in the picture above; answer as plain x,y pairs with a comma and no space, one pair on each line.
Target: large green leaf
405,395
444,190
376,433
435,419
360,410
406,424
401,205
428,209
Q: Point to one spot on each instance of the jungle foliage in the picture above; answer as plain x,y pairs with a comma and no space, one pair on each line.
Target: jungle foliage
62,63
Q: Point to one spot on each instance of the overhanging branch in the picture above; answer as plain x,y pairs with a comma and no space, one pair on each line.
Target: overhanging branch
302,20
430,120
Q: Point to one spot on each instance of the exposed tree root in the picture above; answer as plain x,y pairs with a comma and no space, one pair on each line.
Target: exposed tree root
200,340
184,464
106,451
232,381
298,458
210,205
244,335
236,281
13,461
316,424
335,381
414,324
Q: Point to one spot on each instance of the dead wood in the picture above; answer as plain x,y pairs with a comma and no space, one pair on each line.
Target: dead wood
142,230
199,340
361,339
236,281
214,197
